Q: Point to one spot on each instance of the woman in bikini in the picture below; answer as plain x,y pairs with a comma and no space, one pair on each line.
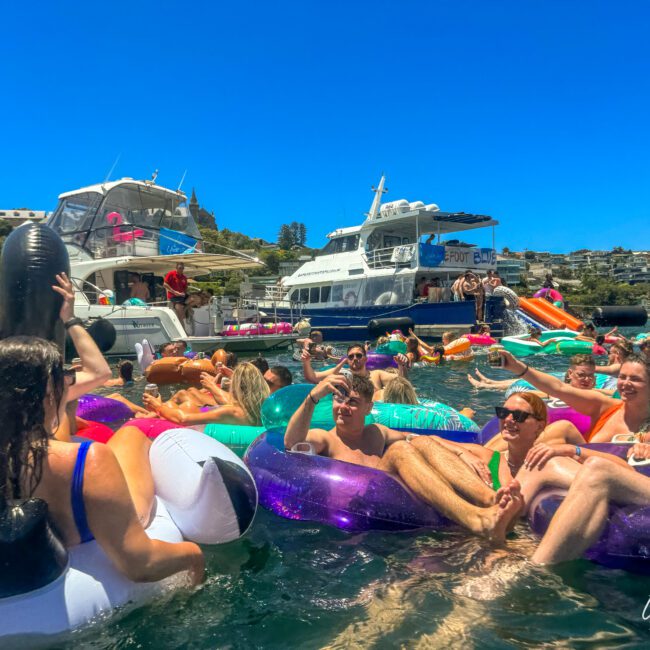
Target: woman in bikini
113,501
609,416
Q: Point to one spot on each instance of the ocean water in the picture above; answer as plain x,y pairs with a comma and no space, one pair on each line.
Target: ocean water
293,584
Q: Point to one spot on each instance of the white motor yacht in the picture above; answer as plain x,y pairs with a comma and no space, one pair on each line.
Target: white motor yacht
115,229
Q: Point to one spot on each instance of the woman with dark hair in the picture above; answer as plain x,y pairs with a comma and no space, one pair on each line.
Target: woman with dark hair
93,491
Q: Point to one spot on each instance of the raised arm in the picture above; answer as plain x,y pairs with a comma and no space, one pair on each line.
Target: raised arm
588,402
298,428
94,371
313,377
114,523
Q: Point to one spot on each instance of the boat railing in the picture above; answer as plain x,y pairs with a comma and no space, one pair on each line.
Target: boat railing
403,256
127,240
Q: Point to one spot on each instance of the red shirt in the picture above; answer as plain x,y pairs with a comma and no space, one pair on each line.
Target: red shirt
176,281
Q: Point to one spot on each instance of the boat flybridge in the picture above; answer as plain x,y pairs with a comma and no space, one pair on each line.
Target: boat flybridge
115,229
371,271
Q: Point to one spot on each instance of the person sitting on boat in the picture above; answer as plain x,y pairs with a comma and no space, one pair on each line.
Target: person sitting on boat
356,358
248,390
139,289
113,502
435,473
124,374
628,415
175,283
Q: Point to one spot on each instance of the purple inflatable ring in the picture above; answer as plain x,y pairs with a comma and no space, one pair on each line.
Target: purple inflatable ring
308,487
625,542
556,411
375,361
102,409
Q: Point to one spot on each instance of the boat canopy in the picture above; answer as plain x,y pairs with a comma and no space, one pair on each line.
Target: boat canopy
199,264
432,222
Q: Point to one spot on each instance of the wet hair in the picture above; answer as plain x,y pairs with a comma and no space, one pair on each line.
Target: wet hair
315,333
249,390
231,360
439,350
26,365
125,369
536,404
400,391
600,339
361,346
451,336
163,346
625,348
590,326
283,374
412,345
363,386
260,363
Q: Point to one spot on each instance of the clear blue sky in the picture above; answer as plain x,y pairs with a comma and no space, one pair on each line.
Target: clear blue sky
534,112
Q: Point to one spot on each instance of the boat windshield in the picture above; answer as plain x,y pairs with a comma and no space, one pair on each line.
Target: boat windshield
139,218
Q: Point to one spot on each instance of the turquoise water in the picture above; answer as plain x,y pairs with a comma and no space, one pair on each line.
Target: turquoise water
293,584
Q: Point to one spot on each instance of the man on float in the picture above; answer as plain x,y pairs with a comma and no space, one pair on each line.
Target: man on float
430,470
356,358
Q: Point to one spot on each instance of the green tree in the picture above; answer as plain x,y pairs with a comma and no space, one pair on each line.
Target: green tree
5,227
285,237
302,234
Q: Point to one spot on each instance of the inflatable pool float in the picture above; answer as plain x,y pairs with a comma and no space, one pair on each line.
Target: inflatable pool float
625,542
392,348
102,409
458,346
550,342
480,339
278,408
249,329
178,370
308,487
94,431
204,493
556,409
236,437
521,385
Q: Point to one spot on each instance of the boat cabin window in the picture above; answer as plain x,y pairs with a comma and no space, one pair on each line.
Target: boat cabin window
341,245
325,294
314,294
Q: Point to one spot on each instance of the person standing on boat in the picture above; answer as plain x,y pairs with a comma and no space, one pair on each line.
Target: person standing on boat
176,285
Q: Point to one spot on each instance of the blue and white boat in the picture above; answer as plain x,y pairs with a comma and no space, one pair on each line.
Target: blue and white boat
371,271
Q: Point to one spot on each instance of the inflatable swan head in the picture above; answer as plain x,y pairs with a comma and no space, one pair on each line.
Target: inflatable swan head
302,327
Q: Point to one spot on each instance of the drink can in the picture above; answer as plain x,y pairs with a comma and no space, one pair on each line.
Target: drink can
152,389
493,356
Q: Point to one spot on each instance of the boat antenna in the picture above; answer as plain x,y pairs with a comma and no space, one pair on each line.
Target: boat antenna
376,202
154,176
178,189
110,171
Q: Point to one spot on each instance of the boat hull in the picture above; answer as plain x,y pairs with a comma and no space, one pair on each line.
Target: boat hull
351,323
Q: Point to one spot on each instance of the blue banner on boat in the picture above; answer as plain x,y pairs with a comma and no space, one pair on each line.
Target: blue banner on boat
173,242
431,255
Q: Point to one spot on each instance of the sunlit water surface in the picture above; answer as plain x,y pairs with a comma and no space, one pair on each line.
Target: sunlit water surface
291,584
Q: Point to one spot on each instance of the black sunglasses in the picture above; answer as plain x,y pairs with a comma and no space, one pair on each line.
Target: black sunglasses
517,415
355,355
70,376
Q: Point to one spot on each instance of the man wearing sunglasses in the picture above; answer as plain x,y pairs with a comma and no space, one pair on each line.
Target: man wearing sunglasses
447,476
356,359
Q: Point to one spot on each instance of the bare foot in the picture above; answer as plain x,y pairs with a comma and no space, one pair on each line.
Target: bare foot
474,382
501,517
